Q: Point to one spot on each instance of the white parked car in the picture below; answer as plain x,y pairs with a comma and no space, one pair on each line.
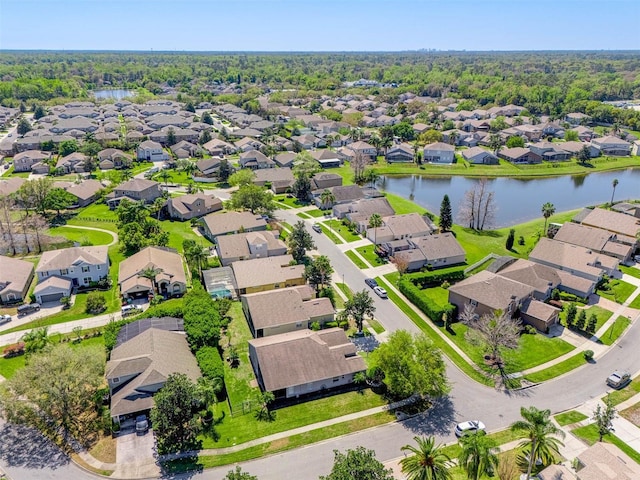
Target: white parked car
130,310
5,319
381,292
469,427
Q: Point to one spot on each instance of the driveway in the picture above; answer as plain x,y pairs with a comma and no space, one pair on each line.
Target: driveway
135,456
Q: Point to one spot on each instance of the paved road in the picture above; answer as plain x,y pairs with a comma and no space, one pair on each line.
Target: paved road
468,400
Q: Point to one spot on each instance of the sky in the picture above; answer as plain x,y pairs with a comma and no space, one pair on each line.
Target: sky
319,25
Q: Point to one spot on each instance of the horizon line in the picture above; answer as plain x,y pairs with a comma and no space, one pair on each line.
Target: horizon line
420,50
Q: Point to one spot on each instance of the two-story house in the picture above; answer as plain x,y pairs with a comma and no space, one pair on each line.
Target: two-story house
151,151
135,190
186,207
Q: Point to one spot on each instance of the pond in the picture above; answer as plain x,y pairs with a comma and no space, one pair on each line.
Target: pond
116,94
517,199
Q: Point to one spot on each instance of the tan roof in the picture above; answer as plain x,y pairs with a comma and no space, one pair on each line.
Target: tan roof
613,221
85,189
491,290
229,222
305,356
10,185
14,274
440,146
154,354
136,185
284,307
184,203
54,282
539,276
556,472
166,259
434,247
588,237
605,461
540,310
406,225
237,246
266,271
273,175
68,257
572,257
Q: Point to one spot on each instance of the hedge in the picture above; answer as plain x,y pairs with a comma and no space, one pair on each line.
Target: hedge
210,363
430,308
437,278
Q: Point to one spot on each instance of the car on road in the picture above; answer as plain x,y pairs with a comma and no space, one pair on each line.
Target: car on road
618,379
5,319
28,308
142,424
316,228
469,426
130,310
381,292
371,282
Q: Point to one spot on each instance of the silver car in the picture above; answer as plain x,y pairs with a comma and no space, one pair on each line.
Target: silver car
618,379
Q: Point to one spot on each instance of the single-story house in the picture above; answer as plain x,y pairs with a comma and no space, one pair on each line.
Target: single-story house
9,185
255,160
86,192
216,224
327,158
341,194
550,152
477,155
597,239
169,281
322,180
280,179
433,251
244,246
285,159
209,167
304,362
15,278
519,155
262,274
140,366
398,227
400,153
285,310
186,207
615,222
439,152
611,145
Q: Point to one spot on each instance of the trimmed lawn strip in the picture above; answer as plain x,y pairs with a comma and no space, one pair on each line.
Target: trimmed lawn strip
370,255
345,289
469,370
571,417
501,437
614,331
619,291
558,369
632,414
590,435
619,396
83,237
402,205
632,271
290,202
315,213
342,230
636,303
330,235
355,259
602,314
376,325
303,215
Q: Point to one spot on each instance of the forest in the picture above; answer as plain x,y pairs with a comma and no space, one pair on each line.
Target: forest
551,83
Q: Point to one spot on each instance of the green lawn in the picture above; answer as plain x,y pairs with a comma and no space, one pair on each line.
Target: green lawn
376,325
174,177
589,434
558,369
614,331
635,303
370,255
97,210
343,231
291,202
330,235
619,396
402,205
315,213
437,294
634,272
571,417
344,288
618,290
355,259
602,314
84,237
180,231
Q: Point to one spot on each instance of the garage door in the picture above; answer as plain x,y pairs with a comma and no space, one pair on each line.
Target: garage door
52,297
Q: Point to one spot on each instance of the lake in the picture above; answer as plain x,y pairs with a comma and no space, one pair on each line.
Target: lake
518,200
116,94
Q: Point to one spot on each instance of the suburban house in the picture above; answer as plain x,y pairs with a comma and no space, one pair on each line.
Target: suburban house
550,152
134,190
614,146
209,167
400,153
86,191
598,240
15,278
140,366
163,264
285,159
519,155
432,251
285,310
255,160
304,362
151,151
439,152
487,293
186,207
217,224
341,194
248,245
576,118
262,274
60,271
364,149
327,158
184,149
480,156
574,148
72,163
323,180
113,158
574,259
23,161
280,179
360,211
615,222
399,227
10,185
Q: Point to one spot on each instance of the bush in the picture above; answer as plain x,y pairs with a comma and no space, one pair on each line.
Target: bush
570,297
202,322
433,310
432,279
530,329
588,355
169,308
555,294
210,363
13,350
96,302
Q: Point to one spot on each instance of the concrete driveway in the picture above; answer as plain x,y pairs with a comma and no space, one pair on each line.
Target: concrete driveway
135,456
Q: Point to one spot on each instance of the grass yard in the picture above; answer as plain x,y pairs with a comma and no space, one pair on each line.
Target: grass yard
376,325
619,396
97,210
370,255
342,230
402,205
590,435
602,314
355,259
437,294
632,271
180,231
83,237
330,235
569,418
618,290
635,303
614,331
291,202
344,288
315,213
178,177
303,215
632,414
561,368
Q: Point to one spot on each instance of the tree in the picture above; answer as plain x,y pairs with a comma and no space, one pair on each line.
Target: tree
299,241
375,221
225,170
446,218
238,474
7,222
171,136
265,399
507,468
548,209
59,199
253,198
34,193
478,207
493,332
207,118
592,324
357,464
571,136
151,273
411,365
67,147
584,155
165,176
430,136
301,188
358,164
23,126
305,165
318,272
39,112
359,306
477,455
172,415
36,340
370,176
55,391
427,462
241,177
495,143
96,302
614,184
195,255
581,320
327,198
515,141
603,417
205,137
572,311
541,433
510,239
498,124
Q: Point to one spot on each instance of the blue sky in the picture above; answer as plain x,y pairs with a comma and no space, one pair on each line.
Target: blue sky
319,25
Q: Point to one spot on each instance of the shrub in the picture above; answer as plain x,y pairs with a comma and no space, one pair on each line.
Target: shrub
432,279
210,362
520,240
96,302
13,350
530,329
430,308
588,355
555,294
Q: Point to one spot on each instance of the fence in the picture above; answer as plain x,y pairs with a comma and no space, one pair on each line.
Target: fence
470,268
96,219
238,409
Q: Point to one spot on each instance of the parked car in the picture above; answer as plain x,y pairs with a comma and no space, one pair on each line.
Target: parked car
5,319
28,308
142,424
469,427
130,310
618,379
371,282
317,228
381,292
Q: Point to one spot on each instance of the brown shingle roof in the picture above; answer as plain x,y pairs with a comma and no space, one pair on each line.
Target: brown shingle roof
14,274
166,259
266,271
67,257
613,221
491,290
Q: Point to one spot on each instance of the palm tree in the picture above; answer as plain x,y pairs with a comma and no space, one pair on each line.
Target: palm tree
151,273
548,209
375,221
541,433
36,340
165,175
428,461
327,197
614,184
193,187
477,455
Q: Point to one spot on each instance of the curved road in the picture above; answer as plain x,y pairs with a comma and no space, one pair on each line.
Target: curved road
468,400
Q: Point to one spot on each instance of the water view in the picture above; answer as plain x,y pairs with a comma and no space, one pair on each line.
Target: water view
116,94
518,200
